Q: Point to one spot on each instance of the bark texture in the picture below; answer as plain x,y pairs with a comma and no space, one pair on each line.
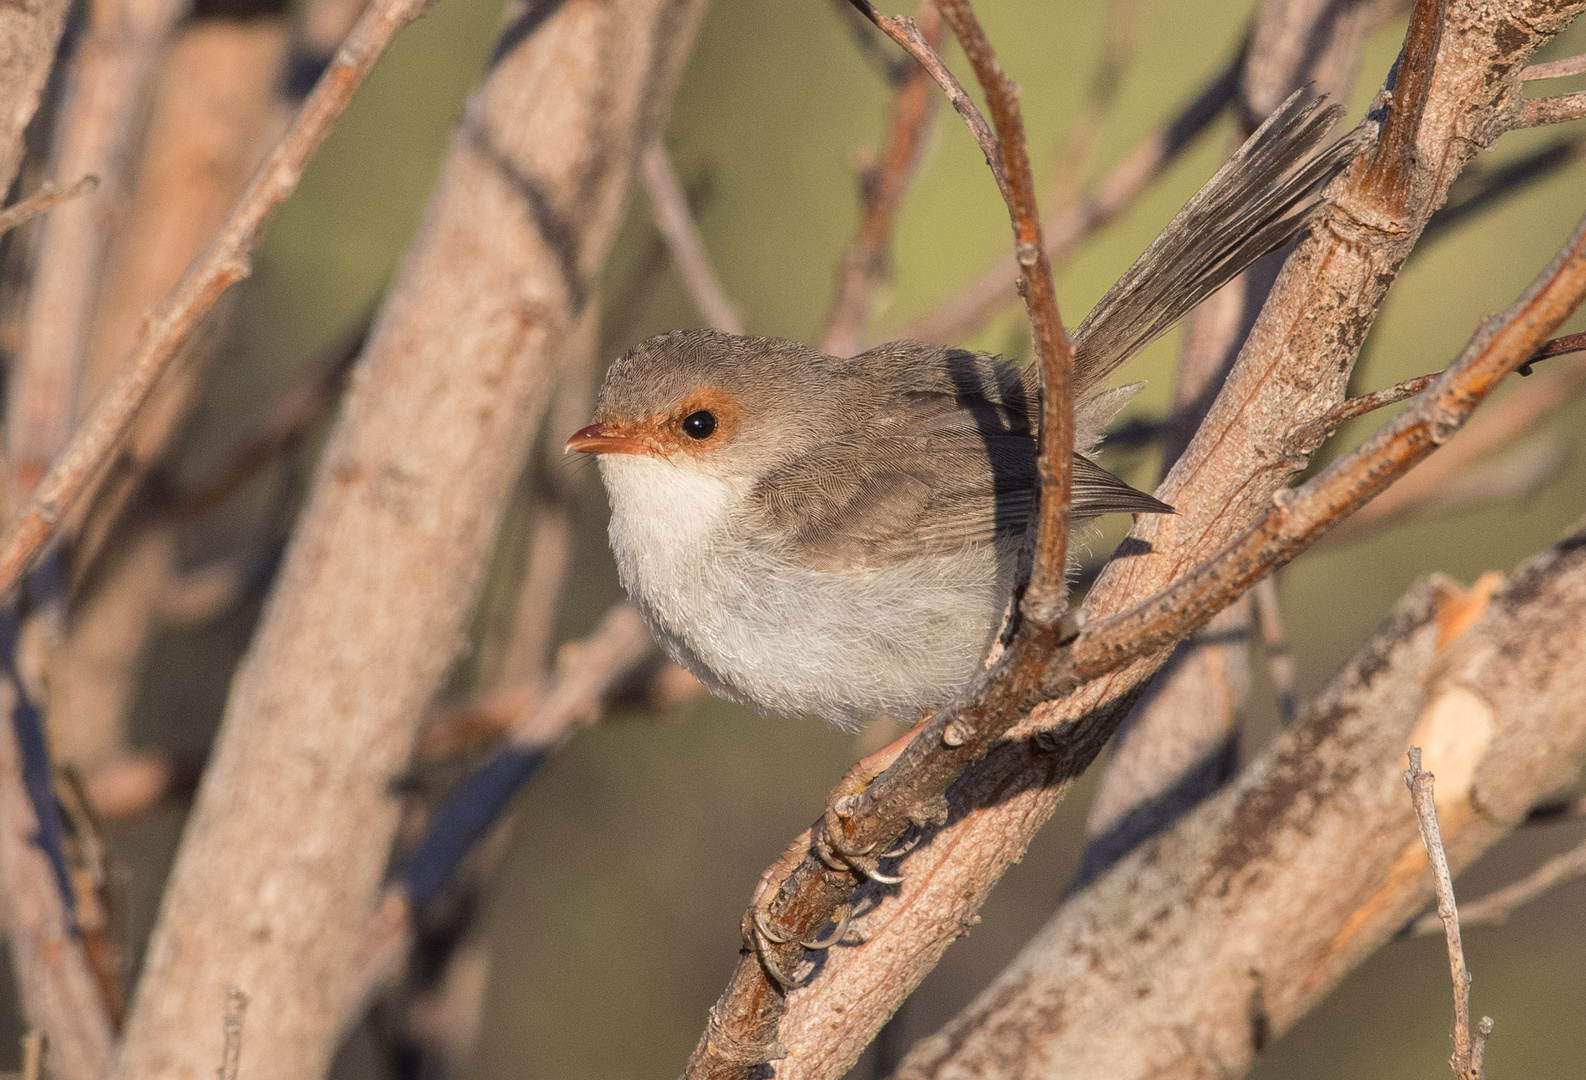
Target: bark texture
29,33
1292,370
282,860
1213,937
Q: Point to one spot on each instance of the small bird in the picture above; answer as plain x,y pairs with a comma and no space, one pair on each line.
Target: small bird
838,537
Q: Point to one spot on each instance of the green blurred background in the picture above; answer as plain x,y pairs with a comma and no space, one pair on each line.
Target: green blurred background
614,918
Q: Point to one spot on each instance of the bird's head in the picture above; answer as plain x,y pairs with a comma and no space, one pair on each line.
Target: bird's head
710,404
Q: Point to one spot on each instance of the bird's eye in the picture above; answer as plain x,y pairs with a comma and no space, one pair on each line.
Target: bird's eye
699,425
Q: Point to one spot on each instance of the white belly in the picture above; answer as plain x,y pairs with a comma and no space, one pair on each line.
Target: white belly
754,626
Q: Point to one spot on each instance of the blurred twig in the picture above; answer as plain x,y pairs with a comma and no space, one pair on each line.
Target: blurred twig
1496,907
669,208
1468,1049
46,198
968,310
883,182
1269,618
231,1027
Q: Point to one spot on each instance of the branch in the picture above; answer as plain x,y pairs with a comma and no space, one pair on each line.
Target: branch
108,83
231,1031
1555,69
1552,110
1269,618
45,199
1252,909
1293,368
882,185
380,582
669,208
1468,1051
59,994
223,265
969,310
1495,908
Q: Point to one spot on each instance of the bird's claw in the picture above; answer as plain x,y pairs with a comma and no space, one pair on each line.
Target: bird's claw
831,850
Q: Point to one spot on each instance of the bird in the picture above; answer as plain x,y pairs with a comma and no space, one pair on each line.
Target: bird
838,537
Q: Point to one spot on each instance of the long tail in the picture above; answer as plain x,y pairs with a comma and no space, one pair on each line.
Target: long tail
1255,203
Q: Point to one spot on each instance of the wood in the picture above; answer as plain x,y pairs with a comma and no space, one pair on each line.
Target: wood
286,846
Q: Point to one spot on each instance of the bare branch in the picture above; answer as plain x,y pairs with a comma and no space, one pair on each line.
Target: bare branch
882,184
1046,594
1253,908
969,310
32,1056
108,84
1468,1050
1495,908
377,588
60,996
1552,110
669,207
1293,369
1555,69
45,199
225,263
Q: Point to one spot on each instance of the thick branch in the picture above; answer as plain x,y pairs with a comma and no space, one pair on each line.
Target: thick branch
1293,369
285,849
1245,915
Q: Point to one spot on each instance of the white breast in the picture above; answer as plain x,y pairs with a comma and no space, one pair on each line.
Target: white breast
757,627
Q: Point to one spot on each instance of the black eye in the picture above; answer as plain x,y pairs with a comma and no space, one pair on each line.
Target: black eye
699,425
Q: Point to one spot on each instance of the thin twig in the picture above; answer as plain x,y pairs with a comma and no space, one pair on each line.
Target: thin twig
231,1051
46,198
1269,618
1495,908
970,309
669,208
906,32
863,269
1357,407
1555,69
1046,595
1468,1049
226,263
1466,468
1552,110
